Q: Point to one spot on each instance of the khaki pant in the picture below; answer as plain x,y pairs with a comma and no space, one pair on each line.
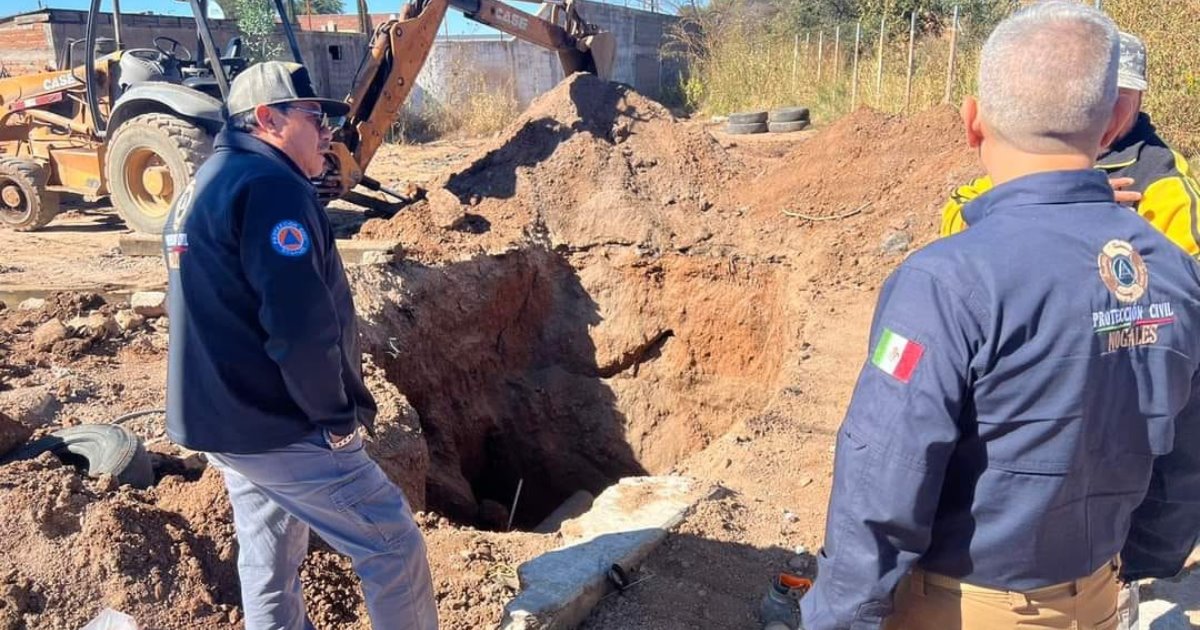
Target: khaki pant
927,601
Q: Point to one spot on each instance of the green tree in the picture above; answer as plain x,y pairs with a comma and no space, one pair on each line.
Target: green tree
256,23
324,7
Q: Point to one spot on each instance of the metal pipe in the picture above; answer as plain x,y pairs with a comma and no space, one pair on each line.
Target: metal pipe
51,118
291,34
89,68
513,510
116,17
209,45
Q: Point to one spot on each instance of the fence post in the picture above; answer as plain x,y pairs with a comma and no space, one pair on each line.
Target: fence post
820,54
808,51
912,40
879,59
854,79
795,58
953,54
837,52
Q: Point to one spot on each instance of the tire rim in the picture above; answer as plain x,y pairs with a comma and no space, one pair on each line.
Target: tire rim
14,206
149,182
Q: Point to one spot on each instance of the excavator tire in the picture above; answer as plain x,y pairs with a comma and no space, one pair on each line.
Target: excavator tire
25,204
151,158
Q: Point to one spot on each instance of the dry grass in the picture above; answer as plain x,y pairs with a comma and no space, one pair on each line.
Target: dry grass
742,66
473,106
747,70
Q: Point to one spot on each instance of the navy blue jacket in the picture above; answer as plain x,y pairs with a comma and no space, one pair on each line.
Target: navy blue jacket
263,339
1029,408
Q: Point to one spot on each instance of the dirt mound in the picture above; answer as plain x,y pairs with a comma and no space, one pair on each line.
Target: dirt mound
590,162
890,162
70,543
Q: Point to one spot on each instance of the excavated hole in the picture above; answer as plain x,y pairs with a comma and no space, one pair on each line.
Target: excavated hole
499,356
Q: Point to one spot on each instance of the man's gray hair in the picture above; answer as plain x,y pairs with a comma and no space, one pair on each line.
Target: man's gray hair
1048,76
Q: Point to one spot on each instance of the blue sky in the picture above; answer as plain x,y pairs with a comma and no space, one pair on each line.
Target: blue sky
455,23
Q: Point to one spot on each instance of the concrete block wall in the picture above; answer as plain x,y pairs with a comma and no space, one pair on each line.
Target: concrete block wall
508,65
332,59
137,31
39,41
528,70
640,37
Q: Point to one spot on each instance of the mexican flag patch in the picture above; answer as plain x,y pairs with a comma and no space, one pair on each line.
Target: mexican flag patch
896,355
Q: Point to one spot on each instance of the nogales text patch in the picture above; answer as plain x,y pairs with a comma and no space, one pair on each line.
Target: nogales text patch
289,238
1123,271
896,355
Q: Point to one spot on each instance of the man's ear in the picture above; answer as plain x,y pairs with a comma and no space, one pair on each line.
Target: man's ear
266,118
972,121
1122,111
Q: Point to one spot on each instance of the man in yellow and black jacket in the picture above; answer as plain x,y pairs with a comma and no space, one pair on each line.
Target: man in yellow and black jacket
1148,175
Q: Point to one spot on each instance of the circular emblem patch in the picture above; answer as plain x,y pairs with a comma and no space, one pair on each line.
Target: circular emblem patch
1123,271
289,238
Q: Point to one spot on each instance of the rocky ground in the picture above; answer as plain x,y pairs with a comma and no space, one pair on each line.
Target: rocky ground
599,291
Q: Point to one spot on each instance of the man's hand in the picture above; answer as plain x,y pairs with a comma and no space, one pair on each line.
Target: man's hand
1124,197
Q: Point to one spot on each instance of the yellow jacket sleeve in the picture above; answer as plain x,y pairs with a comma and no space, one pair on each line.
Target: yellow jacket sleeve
1170,204
952,219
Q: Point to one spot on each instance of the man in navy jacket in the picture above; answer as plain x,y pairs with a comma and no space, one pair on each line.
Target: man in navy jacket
265,372
1026,432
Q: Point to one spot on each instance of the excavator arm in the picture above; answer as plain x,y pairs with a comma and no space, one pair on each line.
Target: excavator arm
398,51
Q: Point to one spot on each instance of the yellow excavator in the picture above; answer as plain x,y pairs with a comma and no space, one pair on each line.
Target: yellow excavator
134,124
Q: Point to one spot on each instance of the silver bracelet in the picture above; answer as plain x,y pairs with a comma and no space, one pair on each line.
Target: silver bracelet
342,442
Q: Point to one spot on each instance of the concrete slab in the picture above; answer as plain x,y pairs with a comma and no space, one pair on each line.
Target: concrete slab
627,521
138,244
353,252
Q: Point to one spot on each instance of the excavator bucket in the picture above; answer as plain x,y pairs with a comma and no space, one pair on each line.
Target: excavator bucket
603,49
591,53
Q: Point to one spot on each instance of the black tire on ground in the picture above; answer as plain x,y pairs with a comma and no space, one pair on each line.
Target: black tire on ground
747,128
788,114
151,158
787,127
25,204
747,118
104,449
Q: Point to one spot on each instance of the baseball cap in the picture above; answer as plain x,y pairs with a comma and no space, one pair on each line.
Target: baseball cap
277,83
1132,74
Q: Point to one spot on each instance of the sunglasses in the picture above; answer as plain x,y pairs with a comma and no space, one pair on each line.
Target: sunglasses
319,117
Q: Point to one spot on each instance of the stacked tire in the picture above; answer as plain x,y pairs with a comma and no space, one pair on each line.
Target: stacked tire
746,122
788,120
784,120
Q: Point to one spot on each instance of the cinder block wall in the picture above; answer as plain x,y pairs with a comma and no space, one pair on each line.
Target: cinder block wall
528,70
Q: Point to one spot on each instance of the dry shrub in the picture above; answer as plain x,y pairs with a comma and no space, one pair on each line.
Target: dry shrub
471,105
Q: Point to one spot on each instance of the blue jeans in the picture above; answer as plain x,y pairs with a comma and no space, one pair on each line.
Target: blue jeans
341,493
